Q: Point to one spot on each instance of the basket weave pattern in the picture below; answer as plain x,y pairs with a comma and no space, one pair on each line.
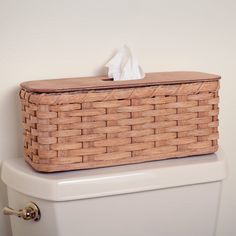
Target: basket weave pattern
79,130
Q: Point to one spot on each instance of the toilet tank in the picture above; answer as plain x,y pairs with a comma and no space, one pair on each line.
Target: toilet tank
178,197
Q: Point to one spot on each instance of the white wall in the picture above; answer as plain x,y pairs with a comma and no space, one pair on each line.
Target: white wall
42,39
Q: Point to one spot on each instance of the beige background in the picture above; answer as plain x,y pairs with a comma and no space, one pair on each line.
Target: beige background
42,39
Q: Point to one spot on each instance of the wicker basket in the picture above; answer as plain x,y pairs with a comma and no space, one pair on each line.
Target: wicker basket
83,123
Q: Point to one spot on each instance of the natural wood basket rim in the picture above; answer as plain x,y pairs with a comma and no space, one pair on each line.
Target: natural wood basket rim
103,82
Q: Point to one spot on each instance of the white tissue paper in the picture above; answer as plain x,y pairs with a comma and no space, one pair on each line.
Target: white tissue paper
124,66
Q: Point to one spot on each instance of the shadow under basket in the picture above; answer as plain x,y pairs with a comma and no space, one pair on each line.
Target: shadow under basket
83,123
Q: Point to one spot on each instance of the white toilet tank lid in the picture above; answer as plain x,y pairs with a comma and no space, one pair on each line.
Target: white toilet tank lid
83,184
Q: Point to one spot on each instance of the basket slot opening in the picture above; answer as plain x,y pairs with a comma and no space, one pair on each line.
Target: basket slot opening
108,79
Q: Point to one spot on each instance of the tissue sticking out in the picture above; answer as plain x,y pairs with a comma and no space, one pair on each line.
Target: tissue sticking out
124,66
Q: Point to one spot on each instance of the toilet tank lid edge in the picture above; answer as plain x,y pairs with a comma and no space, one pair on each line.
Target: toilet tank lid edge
16,174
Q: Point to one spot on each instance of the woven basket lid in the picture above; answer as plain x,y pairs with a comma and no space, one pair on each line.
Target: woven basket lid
102,82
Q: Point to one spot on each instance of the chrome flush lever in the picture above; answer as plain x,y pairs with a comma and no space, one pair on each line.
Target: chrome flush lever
30,212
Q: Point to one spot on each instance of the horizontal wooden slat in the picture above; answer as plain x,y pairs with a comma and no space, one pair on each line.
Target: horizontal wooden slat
66,146
155,137
112,142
